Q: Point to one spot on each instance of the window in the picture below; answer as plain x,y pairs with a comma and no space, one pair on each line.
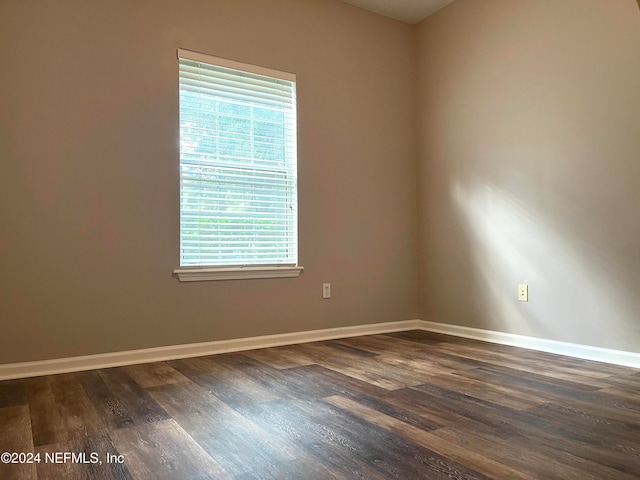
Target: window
238,170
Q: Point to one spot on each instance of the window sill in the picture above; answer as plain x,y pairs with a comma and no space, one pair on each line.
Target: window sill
203,274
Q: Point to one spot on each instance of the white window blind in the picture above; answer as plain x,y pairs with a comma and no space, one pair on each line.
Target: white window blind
238,165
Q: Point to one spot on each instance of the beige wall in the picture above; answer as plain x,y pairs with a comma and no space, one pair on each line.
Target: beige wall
529,147
520,119
89,177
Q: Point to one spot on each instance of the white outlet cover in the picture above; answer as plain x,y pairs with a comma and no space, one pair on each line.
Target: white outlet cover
523,293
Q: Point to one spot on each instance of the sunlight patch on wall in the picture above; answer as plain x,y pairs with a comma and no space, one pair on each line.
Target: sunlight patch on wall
512,243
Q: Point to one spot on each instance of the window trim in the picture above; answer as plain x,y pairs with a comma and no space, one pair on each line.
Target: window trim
202,274
237,272
225,62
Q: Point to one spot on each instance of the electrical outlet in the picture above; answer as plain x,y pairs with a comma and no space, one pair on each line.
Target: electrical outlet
523,292
326,290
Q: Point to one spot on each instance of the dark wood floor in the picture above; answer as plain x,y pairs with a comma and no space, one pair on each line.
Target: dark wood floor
408,405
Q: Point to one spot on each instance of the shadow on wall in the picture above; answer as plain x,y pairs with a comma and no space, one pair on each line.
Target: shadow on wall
578,291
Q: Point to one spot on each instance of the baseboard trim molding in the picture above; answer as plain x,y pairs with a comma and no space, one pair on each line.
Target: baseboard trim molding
586,352
173,352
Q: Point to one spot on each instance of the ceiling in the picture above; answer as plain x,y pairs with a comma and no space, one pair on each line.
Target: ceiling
409,11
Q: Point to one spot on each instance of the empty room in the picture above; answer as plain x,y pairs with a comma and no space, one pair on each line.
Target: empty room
319,239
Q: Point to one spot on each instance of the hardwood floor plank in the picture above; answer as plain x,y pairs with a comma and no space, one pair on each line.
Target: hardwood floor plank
442,342
15,436
493,417
135,398
406,399
346,348
237,391
377,372
517,454
419,366
420,336
61,410
335,438
13,393
508,424
486,391
111,410
428,440
432,354
230,439
120,401
285,421
401,405
154,374
539,367
291,470
315,381
625,393
163,450
235,379
344,383
46,421
616,414
617,431
549,361
281,357
394,454
558,389
630,381
320,353
382,344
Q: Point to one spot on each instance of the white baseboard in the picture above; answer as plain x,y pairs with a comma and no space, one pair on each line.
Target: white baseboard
586,352
173,352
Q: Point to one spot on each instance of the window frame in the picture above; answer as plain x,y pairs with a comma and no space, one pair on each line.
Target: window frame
238,271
